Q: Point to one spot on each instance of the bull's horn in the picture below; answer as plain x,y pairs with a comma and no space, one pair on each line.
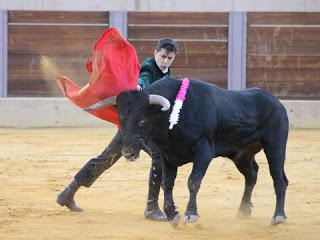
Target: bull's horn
159,100
106,102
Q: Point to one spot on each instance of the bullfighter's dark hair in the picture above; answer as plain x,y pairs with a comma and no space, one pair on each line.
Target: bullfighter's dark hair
168,44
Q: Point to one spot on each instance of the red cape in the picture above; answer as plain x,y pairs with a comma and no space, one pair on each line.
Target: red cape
115,68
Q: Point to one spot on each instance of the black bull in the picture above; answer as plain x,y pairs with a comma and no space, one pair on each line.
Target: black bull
213,122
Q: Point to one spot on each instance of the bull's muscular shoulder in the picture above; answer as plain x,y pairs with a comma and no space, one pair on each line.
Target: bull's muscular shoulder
167,87
198,91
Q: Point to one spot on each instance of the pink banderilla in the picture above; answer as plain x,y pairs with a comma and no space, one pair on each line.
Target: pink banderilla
174,116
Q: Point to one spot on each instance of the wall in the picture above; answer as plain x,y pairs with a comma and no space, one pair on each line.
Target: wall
282,53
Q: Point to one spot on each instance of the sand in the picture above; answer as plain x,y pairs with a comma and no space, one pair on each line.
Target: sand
35,164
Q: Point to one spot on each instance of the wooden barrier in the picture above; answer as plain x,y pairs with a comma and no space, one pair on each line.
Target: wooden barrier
283,49
284,54
42,44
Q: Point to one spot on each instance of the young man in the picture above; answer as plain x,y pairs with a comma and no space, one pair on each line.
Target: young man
152,69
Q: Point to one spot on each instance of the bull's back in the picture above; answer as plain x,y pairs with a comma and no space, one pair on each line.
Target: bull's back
230,119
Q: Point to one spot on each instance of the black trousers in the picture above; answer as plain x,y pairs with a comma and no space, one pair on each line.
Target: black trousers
88,174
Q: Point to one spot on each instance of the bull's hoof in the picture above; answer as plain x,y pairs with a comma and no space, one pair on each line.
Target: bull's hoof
245,210
192,218
175,221
276,220
155,215
64,200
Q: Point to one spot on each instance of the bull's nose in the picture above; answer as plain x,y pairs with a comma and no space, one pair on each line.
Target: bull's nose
126,152
129,154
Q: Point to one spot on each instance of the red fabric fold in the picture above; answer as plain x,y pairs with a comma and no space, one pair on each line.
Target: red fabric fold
115,68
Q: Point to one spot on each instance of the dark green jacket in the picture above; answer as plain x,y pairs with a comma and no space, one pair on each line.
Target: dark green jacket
150,72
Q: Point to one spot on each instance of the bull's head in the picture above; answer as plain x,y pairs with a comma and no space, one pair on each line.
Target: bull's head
140,116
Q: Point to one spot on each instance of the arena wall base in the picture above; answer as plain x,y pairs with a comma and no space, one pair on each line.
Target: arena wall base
45,112
60,112
303,113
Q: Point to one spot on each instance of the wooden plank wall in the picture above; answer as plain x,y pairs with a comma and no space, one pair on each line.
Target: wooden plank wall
283,54
201,37
283,49
42,44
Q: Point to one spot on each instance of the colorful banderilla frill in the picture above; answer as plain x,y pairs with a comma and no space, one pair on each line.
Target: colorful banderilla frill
174,116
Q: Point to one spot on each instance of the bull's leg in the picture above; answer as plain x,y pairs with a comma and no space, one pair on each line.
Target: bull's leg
275,153
249,168
202,158
90,172
169,176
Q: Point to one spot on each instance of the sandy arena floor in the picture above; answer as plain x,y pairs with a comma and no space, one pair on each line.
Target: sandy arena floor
35,164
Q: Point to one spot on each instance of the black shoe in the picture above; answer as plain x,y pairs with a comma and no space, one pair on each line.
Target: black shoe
64,199
155,215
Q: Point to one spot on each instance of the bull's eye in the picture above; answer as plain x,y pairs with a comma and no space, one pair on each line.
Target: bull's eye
141,123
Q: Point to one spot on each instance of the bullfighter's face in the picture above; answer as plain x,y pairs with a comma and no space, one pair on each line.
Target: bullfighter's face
164,58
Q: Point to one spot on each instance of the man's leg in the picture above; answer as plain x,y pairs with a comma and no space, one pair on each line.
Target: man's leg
90,172
152,210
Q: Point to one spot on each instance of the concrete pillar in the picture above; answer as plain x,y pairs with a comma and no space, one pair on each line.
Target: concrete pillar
237,50
3,53
119,20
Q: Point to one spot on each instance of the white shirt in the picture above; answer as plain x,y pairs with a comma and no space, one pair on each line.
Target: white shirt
165,71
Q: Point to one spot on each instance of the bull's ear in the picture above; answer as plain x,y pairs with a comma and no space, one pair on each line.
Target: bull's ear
159,100
104,103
